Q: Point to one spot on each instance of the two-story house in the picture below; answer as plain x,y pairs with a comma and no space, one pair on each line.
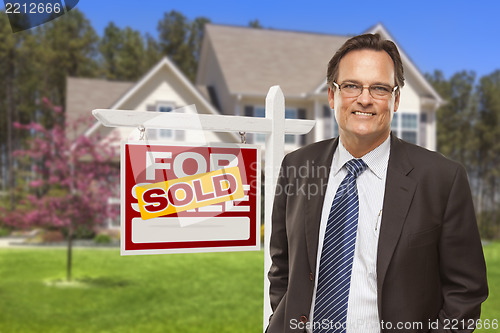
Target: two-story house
239,64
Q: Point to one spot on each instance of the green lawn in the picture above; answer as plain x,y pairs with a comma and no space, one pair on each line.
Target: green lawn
206,292
491,308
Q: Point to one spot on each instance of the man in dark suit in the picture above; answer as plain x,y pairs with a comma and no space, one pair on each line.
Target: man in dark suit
414,262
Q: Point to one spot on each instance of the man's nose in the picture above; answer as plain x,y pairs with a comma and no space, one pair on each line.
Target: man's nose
365,98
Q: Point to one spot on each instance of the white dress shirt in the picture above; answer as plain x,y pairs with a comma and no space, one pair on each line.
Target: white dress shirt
362,312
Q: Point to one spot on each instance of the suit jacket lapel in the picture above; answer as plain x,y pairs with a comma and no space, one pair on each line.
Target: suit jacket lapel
321,164
399,191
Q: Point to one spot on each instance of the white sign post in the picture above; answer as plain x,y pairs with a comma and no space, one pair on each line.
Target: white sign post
274,125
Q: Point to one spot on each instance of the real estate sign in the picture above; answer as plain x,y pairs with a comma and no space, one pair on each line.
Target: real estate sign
179,199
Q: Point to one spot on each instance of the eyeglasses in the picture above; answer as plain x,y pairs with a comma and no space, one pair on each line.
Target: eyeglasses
377,91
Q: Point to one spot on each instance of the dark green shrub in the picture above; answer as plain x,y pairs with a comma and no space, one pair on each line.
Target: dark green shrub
4,232
102,239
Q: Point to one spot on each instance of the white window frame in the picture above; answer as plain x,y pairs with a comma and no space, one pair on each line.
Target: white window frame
165,134
397,125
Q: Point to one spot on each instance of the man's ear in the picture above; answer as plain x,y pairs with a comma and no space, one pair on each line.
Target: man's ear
331,96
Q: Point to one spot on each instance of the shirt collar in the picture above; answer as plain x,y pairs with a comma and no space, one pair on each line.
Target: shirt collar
376,160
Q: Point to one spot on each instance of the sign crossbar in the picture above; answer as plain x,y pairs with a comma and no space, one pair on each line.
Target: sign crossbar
208,122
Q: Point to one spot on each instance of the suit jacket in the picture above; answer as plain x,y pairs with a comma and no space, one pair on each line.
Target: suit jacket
430,263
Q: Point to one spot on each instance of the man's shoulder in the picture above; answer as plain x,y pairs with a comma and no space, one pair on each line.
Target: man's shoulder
313,151
425,158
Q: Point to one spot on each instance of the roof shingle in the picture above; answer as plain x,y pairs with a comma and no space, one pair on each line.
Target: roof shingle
289,55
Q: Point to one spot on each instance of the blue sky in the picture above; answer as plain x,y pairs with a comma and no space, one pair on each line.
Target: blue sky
446,35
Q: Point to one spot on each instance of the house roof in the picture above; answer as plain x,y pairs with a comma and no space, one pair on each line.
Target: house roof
203,105
252,59
83,95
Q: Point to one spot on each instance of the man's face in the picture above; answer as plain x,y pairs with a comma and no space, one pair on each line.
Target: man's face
363,117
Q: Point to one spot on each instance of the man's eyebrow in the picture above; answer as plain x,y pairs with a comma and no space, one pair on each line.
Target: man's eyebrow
381,84
352,81
377,83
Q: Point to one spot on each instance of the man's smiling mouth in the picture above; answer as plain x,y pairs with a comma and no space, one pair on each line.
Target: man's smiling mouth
359,113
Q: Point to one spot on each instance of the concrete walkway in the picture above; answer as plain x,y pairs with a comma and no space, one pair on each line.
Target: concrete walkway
7,241
17,242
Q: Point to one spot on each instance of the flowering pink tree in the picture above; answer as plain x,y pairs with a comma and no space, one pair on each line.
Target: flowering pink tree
72,180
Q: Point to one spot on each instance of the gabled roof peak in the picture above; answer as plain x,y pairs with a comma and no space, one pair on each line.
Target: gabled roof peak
271,30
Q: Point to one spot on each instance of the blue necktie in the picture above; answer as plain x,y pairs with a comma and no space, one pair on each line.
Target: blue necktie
330,309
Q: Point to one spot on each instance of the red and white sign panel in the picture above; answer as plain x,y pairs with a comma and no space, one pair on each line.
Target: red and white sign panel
181,199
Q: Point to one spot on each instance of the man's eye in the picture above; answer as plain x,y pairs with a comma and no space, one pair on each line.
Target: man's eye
382,89
350,86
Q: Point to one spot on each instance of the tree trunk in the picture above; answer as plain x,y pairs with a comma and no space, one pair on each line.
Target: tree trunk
10,134
494,223
69,252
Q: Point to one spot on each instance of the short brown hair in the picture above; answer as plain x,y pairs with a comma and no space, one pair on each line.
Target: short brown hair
370,42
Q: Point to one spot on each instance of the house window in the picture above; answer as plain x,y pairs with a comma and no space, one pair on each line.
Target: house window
290,114
331,128
409,121
410,136
405,126
409,127
165,133
394,123
335,128
259,112
291,139
327,122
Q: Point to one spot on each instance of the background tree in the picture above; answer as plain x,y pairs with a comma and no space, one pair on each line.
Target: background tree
69,49
123,53
71,184
255,24
20,79
181,39
488,153
109,46
197,31
152,53
456,118
468,131
131,61
36,63
7,77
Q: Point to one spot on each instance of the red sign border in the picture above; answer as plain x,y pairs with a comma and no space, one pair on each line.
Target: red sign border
128,247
